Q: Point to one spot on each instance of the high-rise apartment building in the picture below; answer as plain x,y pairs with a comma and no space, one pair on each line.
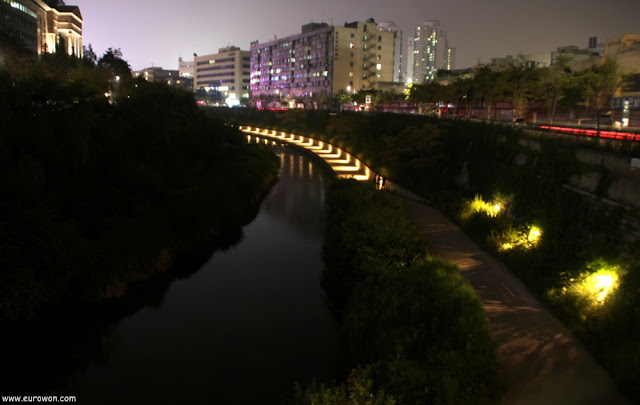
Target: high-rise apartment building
227,72
323,60
42,28
398,62
430,52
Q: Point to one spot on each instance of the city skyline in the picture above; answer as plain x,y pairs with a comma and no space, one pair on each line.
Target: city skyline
152,33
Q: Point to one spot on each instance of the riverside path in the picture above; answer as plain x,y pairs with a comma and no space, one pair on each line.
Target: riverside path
540,361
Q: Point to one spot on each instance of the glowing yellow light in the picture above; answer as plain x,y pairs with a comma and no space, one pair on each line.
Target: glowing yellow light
534,235
506,246
599,285
334,157
479,205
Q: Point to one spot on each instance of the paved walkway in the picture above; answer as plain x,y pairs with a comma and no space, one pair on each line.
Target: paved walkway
540,361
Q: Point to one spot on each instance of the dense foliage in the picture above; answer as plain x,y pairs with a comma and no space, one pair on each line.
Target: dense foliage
548,235
545,90
100,194
410,323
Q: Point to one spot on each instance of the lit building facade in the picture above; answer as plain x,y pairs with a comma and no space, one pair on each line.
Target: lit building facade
170,77
624,49
42,28
156,74
298,65
227,72
322,61
430,52
363,57
398,63
185,68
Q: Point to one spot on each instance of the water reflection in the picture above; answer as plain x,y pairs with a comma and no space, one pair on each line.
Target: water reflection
240,330
299,202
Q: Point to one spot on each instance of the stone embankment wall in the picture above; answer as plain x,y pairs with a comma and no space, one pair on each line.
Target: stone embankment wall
606,178
612,178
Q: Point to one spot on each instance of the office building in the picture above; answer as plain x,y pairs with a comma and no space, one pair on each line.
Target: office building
185,68
42,28
170,77
227,72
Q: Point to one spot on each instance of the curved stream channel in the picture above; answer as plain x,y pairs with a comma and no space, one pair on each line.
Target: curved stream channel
245,327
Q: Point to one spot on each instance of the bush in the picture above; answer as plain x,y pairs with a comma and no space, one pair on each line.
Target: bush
410,319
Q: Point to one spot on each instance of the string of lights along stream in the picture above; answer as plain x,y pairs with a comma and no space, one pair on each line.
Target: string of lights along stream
342,163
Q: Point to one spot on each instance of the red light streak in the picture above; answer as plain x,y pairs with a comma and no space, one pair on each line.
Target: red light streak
626,136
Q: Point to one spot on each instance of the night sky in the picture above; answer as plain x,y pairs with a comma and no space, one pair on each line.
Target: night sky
156,33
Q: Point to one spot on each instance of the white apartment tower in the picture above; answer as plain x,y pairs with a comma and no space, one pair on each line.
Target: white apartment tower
430,52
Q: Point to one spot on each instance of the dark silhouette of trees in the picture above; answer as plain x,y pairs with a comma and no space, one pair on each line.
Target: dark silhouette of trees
101,195
112,60
89,56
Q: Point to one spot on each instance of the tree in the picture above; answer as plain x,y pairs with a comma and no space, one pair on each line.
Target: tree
89,56
112,61
556,83
463,91
600,83
488,88
118,69
343,98
14,54
520,86
431,93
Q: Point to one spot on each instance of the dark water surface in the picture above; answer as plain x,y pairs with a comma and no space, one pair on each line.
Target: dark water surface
244,327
